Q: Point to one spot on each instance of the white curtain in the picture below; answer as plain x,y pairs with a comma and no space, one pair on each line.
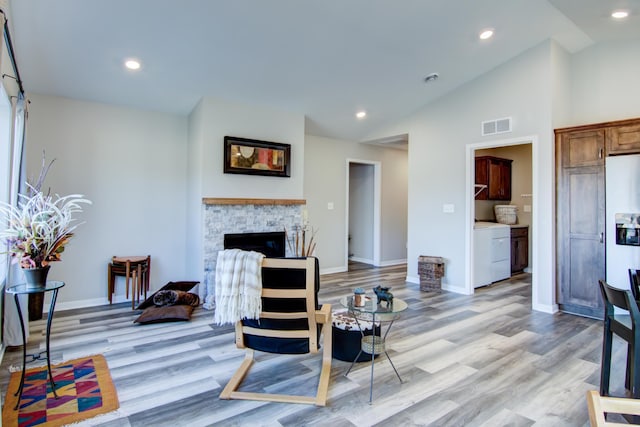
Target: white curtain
12,333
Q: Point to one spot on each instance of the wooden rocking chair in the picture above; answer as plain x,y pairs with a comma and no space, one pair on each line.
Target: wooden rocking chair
291,323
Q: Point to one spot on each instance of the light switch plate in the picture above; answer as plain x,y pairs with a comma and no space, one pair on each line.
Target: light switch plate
527,208
330,206
448,208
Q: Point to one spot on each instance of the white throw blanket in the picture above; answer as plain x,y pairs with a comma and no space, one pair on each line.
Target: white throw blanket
238,286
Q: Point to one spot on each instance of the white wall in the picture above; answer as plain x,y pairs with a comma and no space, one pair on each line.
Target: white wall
605,84
132,165
210,121
194,235
438,137
325,182
221,118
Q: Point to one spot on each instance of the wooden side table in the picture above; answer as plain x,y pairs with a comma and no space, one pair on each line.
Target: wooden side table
23,289
137,268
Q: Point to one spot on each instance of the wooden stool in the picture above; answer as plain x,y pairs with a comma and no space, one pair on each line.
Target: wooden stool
136,268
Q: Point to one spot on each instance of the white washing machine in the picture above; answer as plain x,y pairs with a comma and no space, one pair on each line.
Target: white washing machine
491,253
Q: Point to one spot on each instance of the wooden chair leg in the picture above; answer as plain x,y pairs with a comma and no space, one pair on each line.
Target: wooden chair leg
110,283
139,283
127,273
237,378
134,288
605,367
634,369
325,373
147,274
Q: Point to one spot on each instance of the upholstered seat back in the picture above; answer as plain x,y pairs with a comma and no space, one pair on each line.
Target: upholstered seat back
289,301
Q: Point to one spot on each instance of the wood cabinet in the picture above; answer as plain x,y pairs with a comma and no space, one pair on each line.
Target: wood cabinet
624,139
580,209
580,219
519,248
495,173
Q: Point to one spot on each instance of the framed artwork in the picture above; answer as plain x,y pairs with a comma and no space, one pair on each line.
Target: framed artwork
253,157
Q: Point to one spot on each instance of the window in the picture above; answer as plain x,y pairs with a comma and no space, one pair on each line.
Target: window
5,166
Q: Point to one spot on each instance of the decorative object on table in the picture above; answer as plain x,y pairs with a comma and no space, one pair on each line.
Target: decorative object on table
84,386
39,227
300,244
254,157
383,294
431,271
359,299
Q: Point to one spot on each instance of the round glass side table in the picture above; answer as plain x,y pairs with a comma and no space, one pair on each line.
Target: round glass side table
372,344
23,289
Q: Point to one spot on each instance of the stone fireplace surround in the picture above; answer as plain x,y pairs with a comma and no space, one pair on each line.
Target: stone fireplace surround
224,215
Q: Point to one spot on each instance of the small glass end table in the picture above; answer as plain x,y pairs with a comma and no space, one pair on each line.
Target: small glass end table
373,344
23,289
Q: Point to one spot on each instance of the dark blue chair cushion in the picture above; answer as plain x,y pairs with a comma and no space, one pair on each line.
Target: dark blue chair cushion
283,278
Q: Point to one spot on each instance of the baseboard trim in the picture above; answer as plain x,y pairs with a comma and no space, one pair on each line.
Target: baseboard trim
362,260
94,302
546,308
456,290
332,270
392,262
413,279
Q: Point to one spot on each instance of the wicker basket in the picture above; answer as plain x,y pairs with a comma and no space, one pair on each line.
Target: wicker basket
506,214
431,270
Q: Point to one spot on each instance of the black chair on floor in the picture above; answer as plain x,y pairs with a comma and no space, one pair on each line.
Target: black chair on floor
627,327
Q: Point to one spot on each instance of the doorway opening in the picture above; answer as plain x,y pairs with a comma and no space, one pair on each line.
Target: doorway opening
521,152
362,240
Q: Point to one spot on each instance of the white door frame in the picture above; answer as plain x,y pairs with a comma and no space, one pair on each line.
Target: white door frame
377,200
470,207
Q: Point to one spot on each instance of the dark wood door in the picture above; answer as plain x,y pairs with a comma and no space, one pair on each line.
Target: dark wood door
580,217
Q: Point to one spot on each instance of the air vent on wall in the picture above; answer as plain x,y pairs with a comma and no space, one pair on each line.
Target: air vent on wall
492,127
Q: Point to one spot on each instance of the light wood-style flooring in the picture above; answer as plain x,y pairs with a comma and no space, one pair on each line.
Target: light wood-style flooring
481,360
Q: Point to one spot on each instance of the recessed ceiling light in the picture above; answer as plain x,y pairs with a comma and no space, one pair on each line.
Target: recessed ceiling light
361,114
620,14
486,34
431,77
132,64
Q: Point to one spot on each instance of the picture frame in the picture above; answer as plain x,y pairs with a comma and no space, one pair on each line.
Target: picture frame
255,157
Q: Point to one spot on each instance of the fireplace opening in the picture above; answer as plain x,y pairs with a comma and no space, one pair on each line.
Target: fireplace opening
272,244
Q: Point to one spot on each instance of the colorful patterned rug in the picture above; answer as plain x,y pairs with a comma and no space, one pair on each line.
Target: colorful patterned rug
84,389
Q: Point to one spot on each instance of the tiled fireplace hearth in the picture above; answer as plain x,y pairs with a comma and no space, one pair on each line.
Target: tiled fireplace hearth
223,216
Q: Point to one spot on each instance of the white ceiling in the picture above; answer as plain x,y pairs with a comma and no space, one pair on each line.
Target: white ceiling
326,59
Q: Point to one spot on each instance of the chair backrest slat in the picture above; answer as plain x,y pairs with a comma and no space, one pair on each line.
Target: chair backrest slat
634,280
621,298
289,304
